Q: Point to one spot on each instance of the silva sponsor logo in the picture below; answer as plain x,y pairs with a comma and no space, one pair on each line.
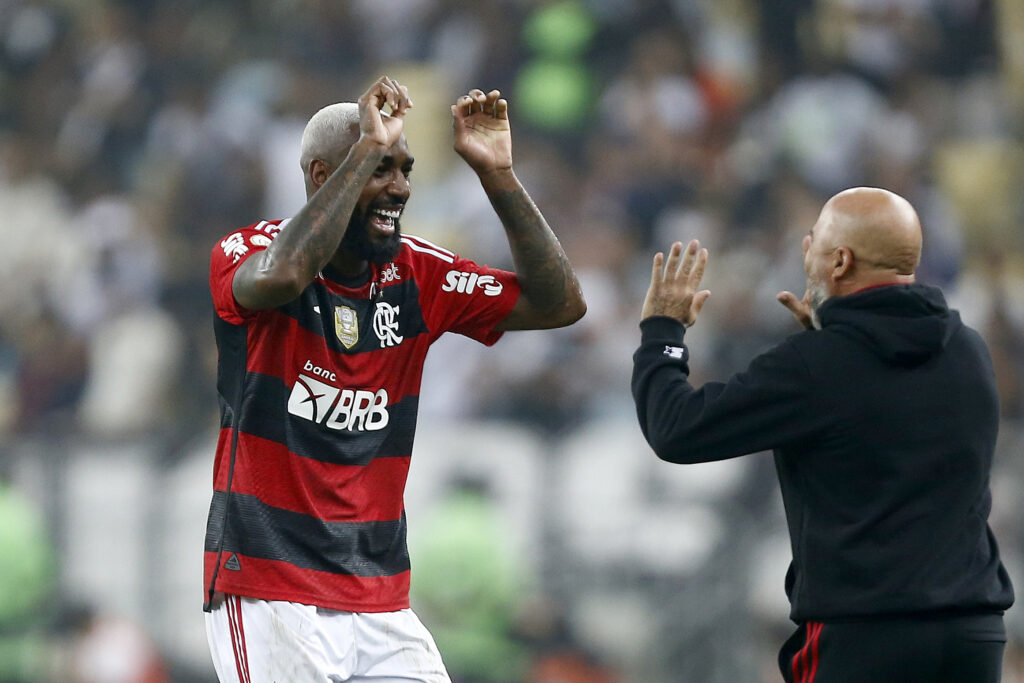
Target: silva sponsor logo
466,283
234,246
385,324
355,410
677,352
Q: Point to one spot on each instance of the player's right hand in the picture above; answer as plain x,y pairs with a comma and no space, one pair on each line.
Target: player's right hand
376,126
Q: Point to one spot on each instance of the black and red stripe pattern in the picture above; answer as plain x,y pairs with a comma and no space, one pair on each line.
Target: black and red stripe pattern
318,412
805,661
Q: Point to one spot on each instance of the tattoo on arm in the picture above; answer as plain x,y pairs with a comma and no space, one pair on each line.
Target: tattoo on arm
312,237
545,274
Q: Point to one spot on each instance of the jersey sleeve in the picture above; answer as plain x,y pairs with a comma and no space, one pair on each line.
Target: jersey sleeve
470,299
227,255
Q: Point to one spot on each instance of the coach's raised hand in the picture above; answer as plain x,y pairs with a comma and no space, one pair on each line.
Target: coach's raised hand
674,284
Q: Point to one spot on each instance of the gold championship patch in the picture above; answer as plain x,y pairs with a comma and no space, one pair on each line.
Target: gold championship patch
346,325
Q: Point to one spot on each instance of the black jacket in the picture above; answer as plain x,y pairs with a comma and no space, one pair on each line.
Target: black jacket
883,425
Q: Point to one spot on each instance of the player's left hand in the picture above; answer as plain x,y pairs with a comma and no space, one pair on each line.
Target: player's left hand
482,133
674,284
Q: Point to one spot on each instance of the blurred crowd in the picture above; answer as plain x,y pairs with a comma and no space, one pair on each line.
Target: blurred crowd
134,134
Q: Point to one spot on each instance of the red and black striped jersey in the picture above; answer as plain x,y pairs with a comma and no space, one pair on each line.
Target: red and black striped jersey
318,411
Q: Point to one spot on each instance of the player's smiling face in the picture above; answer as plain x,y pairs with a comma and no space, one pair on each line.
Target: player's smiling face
374,231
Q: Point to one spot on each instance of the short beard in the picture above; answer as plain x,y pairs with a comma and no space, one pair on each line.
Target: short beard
357,241
816,297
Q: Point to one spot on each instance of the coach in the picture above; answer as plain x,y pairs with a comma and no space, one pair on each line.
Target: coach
883,417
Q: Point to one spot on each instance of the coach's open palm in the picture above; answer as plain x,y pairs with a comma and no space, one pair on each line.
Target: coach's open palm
482,133
674,284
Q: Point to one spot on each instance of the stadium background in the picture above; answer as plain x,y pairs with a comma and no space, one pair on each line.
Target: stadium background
548,544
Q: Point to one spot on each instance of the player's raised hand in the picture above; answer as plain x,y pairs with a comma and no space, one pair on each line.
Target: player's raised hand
482,133
374,124
674,284
800,308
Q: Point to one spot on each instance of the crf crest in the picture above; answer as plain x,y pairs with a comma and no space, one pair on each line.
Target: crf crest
385,324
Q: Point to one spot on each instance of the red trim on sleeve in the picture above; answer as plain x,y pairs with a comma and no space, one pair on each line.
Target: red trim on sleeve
226,256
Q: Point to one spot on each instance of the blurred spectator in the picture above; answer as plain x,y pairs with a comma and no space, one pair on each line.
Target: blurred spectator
103,648
52,367
558,656
1006,339
467,585
27,585
554,85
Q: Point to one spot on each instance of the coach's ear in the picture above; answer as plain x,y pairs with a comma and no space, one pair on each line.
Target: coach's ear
842,263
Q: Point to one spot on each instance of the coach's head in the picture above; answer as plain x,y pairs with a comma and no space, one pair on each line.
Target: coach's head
864,237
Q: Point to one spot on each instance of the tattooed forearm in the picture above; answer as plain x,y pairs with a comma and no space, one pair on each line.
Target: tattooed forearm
315,232
549,284
292,261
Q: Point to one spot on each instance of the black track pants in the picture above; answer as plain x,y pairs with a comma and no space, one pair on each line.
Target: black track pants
966,649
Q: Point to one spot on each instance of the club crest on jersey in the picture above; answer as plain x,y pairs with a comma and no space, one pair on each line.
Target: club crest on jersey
346,325
385,324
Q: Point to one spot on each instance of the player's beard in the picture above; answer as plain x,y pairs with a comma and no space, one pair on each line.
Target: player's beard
357,241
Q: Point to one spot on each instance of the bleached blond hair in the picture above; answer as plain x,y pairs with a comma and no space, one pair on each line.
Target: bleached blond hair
329,133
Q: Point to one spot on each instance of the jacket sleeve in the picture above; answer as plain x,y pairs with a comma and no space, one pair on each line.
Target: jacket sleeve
769,405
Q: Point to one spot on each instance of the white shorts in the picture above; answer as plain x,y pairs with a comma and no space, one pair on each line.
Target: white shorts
261,641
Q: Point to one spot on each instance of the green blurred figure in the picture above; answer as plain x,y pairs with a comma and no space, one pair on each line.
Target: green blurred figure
466,587
555,86
26,586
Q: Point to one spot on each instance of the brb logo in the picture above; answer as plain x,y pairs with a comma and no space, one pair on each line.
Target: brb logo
356,410
466,283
